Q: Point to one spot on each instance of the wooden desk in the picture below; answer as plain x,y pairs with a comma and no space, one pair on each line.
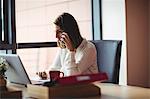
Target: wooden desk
108,91
112,91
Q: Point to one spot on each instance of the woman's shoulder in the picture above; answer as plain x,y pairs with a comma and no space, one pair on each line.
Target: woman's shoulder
89,47
88,44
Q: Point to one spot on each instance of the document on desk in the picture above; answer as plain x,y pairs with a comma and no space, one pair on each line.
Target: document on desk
78,79
37,80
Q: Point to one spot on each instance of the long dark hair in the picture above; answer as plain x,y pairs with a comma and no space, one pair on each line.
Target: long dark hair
69,25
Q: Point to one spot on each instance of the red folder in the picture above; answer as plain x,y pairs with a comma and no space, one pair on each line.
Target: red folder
78,79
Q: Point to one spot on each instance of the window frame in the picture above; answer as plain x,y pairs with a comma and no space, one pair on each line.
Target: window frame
96,19
1,22
9,42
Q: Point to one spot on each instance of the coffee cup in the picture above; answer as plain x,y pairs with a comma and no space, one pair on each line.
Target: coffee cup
55,75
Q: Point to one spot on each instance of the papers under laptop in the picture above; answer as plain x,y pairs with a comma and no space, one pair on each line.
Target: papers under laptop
16,73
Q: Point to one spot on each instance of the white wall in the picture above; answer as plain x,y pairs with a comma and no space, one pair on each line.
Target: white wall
113,26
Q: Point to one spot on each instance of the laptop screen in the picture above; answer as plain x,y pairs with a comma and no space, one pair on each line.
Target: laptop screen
16,72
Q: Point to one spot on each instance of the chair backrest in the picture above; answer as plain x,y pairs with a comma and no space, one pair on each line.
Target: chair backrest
108,58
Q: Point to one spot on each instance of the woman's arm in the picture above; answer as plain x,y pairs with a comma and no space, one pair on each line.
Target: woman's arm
56,65
86,59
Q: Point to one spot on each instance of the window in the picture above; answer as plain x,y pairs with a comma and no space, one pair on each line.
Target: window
34,18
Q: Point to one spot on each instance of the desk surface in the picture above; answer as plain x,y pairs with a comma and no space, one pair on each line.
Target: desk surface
112,91
108,91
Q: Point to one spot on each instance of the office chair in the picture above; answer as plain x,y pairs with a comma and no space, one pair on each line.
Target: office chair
108,58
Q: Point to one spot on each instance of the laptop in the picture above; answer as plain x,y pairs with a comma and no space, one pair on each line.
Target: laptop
16,73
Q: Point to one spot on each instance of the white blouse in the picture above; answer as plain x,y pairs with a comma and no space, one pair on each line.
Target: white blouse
83,61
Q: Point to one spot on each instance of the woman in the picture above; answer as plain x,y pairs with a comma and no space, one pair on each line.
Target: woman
77,55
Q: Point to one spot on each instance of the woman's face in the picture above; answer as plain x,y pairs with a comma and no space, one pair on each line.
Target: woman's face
59,32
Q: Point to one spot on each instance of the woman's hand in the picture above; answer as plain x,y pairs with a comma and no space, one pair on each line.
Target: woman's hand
65,38
42,75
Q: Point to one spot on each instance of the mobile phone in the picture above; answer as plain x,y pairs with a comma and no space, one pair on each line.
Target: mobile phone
61,44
